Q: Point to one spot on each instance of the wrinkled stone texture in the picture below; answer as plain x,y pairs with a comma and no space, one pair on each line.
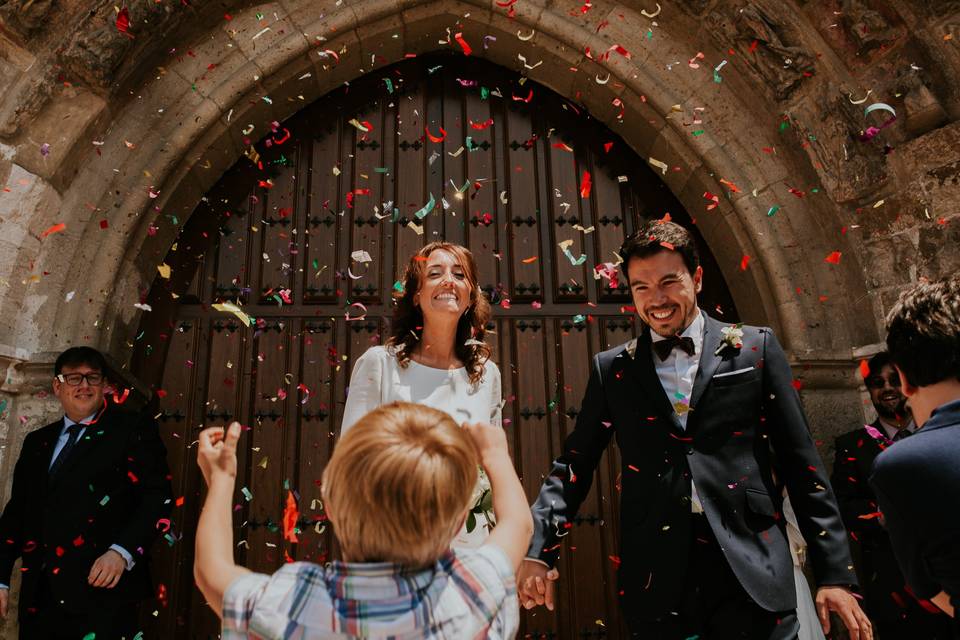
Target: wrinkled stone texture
92,119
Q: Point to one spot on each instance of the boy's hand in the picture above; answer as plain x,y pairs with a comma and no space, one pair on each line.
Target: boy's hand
489,440
217,452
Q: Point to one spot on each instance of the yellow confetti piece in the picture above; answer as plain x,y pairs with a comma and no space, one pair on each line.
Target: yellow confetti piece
164,270
229,307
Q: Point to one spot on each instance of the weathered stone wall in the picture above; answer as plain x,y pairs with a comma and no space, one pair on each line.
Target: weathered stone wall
116,133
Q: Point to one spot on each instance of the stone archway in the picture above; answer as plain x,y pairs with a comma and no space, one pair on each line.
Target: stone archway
139,131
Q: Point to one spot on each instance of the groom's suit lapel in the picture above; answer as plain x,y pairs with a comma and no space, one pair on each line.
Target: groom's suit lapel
709,360
643,368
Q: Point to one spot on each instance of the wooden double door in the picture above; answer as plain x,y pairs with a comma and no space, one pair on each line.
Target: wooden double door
438,147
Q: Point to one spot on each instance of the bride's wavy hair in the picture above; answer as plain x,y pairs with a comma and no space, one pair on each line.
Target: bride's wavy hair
407,328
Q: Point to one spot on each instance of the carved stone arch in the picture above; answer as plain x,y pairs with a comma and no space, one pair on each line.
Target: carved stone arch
188,145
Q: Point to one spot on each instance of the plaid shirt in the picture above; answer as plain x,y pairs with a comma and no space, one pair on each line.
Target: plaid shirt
466,594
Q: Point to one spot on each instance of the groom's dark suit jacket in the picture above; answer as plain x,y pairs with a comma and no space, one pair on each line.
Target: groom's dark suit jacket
112,489
743,404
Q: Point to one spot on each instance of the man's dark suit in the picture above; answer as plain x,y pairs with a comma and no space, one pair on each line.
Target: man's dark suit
895,612
917,483
112,489
726,449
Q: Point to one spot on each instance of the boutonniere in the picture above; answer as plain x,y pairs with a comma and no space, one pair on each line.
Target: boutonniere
732,337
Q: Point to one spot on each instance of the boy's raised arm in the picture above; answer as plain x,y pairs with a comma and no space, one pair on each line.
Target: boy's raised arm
514,523
214,568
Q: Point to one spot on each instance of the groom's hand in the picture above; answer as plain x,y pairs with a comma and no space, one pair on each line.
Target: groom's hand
840,601
536,584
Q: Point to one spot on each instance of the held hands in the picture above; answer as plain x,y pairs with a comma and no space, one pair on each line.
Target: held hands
217,452
107,570
840,601
536,584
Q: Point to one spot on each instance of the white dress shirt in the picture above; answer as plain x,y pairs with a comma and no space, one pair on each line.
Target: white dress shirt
677,374
891,430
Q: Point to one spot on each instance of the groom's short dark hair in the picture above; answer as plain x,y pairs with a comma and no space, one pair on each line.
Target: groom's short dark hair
656,236
923,332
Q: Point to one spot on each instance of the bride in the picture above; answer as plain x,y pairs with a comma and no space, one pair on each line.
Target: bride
436,356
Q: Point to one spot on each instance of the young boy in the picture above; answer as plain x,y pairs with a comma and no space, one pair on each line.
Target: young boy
397,490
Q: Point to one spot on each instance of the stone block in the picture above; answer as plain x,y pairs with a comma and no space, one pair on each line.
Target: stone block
890,262
939,250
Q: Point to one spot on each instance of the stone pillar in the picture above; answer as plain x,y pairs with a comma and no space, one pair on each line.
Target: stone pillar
26,403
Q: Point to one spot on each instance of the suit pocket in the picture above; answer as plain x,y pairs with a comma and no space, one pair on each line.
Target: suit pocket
760,503
735,378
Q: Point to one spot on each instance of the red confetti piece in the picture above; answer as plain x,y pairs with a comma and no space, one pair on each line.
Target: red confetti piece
833,258
433,138
463,44
290,516
104,224
729,185
133,477
179,502
57,228
607,146
585,185
797,384
562,145
78,541
796,192
123,22
529,260
744,261
480,126
356,192
715,200
527,99
864,369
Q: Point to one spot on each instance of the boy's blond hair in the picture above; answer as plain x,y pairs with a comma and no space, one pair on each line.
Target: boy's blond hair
398,485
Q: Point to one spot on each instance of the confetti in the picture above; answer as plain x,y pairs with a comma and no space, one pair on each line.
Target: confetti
463,44
123,22
585,185
647,14
229,307
660,165
526,38
422,212
565,247
433,138
164,271
357,305
290,516
361,256
57,228
744,261
833,258
714,200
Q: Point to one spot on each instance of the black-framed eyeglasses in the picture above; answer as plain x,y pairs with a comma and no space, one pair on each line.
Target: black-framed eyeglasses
75,379
876,382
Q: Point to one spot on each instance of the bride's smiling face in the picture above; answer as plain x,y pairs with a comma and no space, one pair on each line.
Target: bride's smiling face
444,287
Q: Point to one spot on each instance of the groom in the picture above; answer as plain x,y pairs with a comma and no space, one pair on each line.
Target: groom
709,429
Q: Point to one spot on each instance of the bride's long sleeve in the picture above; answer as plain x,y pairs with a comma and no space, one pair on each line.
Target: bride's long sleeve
364,392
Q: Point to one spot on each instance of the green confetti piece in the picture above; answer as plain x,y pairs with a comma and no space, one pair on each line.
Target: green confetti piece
105,500
3,405
170,539
389,84
649,34
784,125
397,286
246,494
425,209
772,210
716,77
484,93
698,132
90,636
381,170
316,263
579,319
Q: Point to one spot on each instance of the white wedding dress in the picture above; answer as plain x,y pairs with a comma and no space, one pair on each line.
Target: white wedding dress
378,379
810,628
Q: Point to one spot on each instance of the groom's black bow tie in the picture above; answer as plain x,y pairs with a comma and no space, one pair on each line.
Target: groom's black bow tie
663,347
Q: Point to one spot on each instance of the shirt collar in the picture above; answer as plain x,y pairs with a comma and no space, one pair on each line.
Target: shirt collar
891,430
694,330
388,582
83,423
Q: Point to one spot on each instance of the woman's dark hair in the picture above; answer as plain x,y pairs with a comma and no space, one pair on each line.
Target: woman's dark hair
407,327
656,236
923,332
76,356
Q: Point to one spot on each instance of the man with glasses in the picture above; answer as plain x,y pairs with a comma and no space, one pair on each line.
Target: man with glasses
89,494
895,612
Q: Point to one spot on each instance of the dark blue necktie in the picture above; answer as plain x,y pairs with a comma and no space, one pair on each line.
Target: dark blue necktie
74,433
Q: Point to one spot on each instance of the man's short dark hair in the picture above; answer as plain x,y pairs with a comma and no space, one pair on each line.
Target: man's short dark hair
923,332
878,361
76,356
656,236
